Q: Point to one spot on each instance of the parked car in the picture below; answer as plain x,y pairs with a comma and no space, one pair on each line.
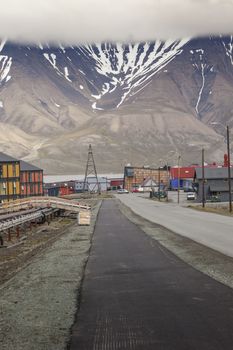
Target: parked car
191,196
213,199
159,194
138,189
122,190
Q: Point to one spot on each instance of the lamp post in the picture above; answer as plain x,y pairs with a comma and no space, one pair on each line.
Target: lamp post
228,163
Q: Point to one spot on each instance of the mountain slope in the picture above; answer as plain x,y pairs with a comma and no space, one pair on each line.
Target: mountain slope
134,103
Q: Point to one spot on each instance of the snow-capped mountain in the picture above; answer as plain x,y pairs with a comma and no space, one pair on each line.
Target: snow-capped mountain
133,102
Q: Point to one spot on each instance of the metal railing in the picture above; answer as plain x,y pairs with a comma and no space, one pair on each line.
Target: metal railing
36,202
22,218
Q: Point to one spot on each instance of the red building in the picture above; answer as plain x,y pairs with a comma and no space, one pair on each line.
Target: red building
182,177
59,188
117,183
31,180
182,172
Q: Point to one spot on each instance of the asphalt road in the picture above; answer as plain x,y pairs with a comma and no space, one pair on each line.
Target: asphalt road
213,230
137,295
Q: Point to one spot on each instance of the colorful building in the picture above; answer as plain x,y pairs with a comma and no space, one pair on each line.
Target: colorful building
134,177
9,178
182,177
31,180
116,183
59,188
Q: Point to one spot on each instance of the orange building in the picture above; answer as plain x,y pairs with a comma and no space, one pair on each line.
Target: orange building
135,176
31,180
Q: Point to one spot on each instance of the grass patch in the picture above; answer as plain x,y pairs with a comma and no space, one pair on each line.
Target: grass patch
219,210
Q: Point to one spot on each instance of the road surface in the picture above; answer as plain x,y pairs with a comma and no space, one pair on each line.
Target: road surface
213,230
137,295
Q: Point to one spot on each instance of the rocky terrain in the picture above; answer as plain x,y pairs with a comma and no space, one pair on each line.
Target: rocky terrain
134,103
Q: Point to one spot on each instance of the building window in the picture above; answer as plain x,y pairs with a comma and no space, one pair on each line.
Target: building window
30,177
14,170
31,189
3,188
14,187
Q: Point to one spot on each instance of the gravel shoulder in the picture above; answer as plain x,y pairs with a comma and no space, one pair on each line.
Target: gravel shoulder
210,262
38,304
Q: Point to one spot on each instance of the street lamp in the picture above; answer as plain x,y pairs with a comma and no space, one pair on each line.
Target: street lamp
228,163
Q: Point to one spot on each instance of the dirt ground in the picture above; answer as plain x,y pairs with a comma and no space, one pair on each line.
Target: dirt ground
40,288
20,251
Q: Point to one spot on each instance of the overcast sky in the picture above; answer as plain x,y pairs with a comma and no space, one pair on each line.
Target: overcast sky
80,21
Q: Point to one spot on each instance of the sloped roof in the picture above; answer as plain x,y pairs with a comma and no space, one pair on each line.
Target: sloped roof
24,166
148,182
213,173
5,158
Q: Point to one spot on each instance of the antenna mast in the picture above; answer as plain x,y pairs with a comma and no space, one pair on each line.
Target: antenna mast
91,170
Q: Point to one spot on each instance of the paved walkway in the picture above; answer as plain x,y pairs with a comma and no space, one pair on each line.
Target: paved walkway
213,230
137,295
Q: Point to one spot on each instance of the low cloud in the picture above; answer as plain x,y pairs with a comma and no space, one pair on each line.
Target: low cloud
80,21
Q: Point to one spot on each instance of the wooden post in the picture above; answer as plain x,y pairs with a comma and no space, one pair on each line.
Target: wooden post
9,235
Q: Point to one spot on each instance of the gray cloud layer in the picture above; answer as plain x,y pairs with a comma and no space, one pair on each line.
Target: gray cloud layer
80,21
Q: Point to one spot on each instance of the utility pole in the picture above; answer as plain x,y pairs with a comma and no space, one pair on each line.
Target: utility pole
228,164
203,178
159,183
91,170
229,169
167,180
178,189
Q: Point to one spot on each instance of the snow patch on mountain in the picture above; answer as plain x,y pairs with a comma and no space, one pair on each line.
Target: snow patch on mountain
2,44
52,58
229,48
129,68
203,68
97,108
5,66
